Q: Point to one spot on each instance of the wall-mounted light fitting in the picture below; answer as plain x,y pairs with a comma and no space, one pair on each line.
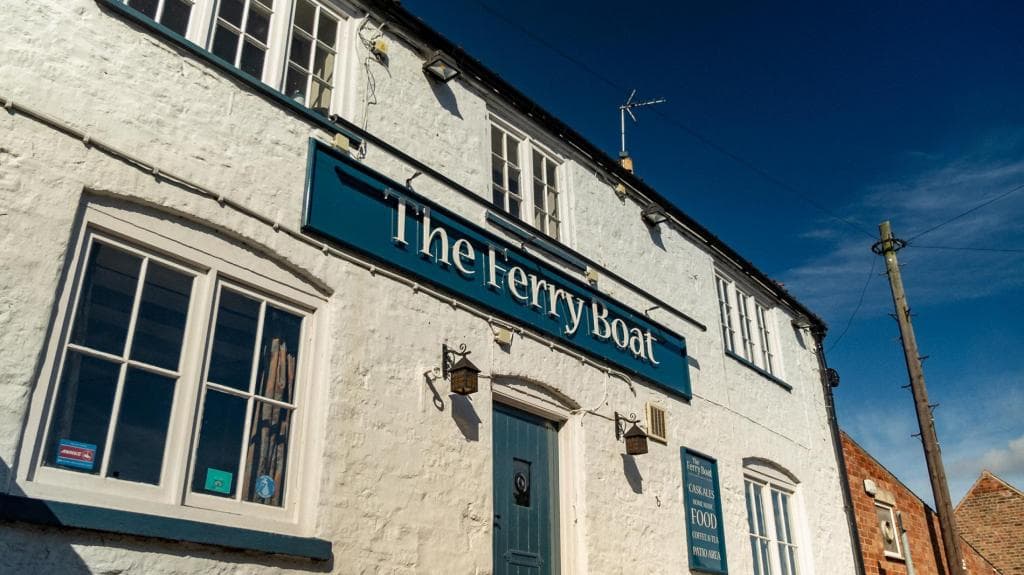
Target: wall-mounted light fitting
653,215
441,66
462,373
636,439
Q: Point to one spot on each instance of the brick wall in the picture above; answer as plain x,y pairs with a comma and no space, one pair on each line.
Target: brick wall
991,518
920,521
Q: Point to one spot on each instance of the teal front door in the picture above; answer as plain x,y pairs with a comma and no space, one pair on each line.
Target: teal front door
525,493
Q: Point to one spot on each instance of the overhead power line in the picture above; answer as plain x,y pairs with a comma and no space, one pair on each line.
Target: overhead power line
748,164
970,211
972,249
860,302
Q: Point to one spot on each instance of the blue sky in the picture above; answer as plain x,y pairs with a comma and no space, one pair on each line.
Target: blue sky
908,111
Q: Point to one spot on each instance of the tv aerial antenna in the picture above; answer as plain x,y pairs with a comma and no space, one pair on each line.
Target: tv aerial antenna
627,108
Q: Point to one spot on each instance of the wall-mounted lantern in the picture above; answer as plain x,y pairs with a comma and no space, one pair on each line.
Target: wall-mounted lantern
653,215
441,66
462,373
636,439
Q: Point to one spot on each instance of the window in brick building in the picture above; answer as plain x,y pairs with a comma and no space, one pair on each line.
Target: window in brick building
890,530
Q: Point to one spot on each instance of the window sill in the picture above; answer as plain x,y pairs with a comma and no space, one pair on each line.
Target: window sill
747,363
73,515
252,82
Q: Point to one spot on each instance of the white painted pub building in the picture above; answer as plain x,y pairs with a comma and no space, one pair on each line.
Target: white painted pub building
300,286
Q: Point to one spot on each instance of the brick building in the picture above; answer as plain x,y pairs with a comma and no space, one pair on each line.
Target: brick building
991,519
881,503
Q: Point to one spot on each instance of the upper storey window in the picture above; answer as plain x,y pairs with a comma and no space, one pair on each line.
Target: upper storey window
535,199
293,46
746,325
242,33
312,57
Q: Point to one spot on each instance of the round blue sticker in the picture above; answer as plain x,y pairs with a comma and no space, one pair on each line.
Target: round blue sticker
265,487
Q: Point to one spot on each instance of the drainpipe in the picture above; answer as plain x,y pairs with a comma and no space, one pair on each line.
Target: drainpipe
818,332
906,544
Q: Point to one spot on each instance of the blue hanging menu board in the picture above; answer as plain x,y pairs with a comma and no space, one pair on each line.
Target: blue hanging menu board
352,205
705,533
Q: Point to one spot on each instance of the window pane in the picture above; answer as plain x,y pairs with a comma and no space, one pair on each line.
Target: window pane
766,567
497,171
278,354
552,205
252,60
498,197
551,174
753,556
105,300
328,30
231,10
147,7
553,228
295,86
258,25
305,14
175,16
496,141
160,327
320,99
538,194
81,415
220,445
513,180
234,338
225,44
323,64
538,218
267,455
141,435
538,166
512,150
513,206
300,50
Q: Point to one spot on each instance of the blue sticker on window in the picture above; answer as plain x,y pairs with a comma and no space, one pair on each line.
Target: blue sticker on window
75,454
265,487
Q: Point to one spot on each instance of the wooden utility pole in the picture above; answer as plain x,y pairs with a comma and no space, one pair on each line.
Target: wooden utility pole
887,247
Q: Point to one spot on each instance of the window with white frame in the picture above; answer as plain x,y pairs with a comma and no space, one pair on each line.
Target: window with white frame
312,55
890,530
241,33
294,46
175,383
773,546
539,195
175,14
753,342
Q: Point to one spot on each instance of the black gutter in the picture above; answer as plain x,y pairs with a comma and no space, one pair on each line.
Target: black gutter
827,384
395,14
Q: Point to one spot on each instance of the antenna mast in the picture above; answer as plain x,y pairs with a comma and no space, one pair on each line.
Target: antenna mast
627,108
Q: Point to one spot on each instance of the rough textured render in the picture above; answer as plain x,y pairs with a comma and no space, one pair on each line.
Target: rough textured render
991,518
401,481
919,520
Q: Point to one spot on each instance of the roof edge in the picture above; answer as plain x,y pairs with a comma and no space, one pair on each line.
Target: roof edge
395,14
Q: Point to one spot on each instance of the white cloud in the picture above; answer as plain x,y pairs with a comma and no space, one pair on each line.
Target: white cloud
938,191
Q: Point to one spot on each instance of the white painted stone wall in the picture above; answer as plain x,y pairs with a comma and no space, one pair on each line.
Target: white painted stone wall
405,487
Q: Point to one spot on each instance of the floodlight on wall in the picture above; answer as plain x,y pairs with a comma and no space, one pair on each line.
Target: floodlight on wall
441,66
462,373
653,215
636,439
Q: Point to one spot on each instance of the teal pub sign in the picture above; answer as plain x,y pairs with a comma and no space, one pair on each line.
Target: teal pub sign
350,204
705,532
